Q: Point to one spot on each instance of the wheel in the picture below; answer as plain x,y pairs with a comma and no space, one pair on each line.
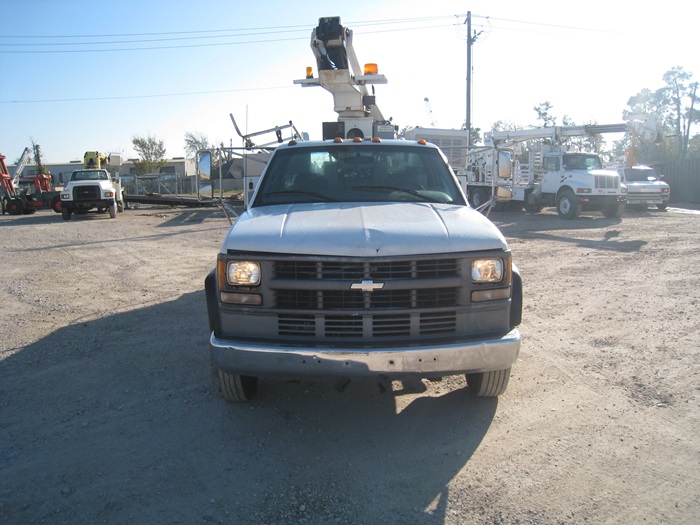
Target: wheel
66,213
236,388
568,206
477,197
15,207
614,210
120,207
488,384
533,208
113,210
662,206
56,204
5,204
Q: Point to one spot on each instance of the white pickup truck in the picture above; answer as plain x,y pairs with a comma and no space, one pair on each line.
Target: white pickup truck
90,189
644,188
362,258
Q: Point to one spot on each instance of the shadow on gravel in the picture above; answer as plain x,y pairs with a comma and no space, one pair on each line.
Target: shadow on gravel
40,217
114,420
536,226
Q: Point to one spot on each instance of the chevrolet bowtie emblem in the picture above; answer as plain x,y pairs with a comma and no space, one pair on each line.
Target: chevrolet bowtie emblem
367,286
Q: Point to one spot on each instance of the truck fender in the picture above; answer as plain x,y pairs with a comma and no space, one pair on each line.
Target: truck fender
212,302
516,301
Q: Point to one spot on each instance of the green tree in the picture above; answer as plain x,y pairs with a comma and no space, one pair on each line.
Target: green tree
152,153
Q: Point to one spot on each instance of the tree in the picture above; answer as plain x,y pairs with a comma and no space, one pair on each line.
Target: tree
676,107
675,91
195,141
543,114
152,153
37,156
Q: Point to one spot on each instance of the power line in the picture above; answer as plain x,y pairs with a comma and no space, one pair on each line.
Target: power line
127,97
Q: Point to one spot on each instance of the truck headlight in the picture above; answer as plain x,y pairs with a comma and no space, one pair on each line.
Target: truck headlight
243,273
108,195
487,270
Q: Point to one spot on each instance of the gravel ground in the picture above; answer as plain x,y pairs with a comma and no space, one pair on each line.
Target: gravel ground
108,412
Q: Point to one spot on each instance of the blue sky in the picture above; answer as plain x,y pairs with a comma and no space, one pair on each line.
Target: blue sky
80,76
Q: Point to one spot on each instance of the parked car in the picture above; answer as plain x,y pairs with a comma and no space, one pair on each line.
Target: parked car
644,187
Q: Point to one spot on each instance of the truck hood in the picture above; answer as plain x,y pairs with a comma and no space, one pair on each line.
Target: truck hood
654,186
363,230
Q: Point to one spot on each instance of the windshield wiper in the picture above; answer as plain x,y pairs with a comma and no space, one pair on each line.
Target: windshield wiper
415,193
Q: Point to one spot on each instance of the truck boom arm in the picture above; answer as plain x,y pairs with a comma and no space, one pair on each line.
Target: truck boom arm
648,129
24,159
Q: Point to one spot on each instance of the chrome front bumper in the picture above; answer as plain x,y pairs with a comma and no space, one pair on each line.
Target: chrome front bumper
425,361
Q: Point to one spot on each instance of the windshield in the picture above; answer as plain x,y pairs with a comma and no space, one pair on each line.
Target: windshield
582,162
358,173
640,175
90,175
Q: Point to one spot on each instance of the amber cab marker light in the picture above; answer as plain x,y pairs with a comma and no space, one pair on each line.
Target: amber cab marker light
371,69
309,72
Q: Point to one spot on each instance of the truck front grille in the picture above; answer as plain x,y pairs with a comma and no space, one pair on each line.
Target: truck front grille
86,193
607,182
308,300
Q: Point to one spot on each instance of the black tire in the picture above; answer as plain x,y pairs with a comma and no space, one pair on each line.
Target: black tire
477,197
614,210
533,208
662,207
66,213
568,206
113,210
488,384
4,205
236,388
15,207
56,204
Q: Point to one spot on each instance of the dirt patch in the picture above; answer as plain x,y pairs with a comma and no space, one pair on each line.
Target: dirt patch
108,413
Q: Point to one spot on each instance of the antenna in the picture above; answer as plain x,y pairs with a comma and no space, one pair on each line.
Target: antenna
429,111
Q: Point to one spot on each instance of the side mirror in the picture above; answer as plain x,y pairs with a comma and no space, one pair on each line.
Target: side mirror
203,166
505,164
503,194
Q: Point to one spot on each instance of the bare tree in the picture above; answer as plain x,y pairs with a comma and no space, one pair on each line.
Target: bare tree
195,141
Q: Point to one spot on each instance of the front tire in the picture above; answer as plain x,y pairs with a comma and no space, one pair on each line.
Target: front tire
568,206
56,204
477,197
113,211
66,213
236,388
15,207
614,210
662,207
488,384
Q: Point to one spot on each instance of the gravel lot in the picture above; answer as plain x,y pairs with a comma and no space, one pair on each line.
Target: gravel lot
108,412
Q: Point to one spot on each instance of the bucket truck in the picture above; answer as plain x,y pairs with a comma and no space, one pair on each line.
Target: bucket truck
358,256
92,188
555,175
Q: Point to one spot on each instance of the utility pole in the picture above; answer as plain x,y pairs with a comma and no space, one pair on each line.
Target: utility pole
469,78
471,38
